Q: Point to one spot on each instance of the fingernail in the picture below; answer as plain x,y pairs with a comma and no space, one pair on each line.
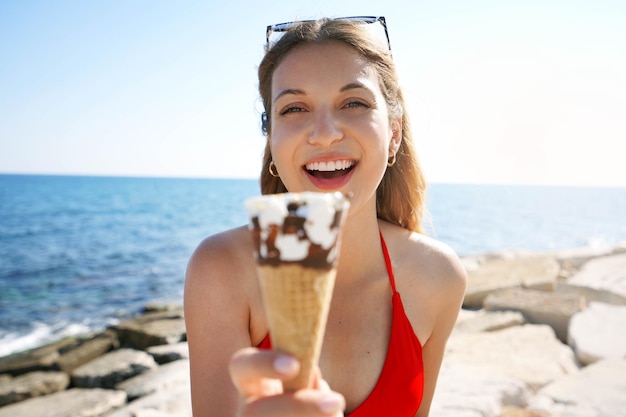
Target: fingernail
285,365
331,403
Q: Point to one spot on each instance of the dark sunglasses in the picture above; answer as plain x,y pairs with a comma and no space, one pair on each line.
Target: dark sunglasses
284,27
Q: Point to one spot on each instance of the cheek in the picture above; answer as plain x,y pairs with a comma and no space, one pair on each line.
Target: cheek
282,155
282,150
284,139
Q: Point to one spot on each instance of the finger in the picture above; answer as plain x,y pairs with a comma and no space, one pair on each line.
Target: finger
303,403
258,373
318,382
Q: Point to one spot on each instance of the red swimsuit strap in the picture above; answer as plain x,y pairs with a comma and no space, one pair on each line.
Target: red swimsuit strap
392,279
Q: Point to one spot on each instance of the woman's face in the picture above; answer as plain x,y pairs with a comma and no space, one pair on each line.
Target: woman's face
330,127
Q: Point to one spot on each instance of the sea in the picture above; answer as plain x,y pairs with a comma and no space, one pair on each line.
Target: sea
79,253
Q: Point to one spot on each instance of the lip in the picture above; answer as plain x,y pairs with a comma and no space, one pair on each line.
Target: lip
330,184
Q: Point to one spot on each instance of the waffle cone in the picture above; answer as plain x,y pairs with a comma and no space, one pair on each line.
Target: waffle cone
296,301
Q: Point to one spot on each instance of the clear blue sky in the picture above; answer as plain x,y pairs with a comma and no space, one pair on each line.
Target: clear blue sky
501,91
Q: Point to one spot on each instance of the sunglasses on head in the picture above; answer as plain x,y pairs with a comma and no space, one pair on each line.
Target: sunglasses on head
284,27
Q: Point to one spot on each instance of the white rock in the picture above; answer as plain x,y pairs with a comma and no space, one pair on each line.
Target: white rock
77,402
487,321
472,262
165,376
536,272
169,353
548,406
598,333
530,353
602,279
539,307
462,392
32,384
112,368
173,402
599,389
576,257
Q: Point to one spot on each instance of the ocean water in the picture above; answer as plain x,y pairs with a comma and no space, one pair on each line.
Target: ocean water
81,253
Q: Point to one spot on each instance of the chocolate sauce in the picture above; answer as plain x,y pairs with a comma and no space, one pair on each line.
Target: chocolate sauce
288,231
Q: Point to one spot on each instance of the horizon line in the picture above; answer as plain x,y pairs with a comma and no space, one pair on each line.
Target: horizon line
191,177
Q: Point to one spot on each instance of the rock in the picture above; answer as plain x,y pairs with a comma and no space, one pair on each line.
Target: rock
169,353
457,413
487,321
571,260
173,402
471,262
30,385
601,279
507,254
64,355
112,368
152,329
509,411
462,392
599,390
599,333
544,403
535,272
43,358
538,307
166,376
87,350
530,353
162,305
620,247
75,402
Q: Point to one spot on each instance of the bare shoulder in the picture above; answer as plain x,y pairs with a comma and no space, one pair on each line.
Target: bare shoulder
438,261
432,262
430,277
221,276
229,251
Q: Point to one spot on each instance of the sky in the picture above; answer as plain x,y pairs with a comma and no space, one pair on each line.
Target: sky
501,91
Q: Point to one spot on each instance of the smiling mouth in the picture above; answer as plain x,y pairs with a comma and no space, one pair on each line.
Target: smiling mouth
330,169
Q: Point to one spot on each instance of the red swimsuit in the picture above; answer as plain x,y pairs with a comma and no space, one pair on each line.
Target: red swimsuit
398,391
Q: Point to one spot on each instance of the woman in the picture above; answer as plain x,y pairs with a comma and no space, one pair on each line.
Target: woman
335,121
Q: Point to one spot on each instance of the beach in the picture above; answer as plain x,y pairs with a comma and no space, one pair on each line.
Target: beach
540,335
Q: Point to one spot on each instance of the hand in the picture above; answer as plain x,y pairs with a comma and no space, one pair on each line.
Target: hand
258,375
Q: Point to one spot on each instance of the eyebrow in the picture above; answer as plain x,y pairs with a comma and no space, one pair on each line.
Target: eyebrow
352,86
288,91
349,86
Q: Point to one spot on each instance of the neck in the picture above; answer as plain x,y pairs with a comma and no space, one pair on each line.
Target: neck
360,245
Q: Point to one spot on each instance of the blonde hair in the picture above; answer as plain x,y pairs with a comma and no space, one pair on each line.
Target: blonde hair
400,197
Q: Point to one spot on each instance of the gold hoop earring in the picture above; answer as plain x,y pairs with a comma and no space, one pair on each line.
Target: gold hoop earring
272,169
391,161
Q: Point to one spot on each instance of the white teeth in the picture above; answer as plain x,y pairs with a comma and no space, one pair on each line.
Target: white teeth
329,166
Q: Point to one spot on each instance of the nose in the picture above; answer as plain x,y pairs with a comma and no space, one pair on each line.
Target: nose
326,129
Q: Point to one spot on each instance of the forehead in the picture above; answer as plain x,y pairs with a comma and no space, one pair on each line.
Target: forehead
323,63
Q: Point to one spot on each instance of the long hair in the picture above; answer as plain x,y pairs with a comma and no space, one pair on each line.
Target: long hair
401,193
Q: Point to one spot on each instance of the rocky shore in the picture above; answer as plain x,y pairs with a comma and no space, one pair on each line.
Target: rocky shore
540,335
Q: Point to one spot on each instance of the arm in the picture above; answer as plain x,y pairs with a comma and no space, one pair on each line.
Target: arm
217,315
447,289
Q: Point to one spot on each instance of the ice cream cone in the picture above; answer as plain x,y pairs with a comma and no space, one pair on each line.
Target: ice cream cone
296,239
297,300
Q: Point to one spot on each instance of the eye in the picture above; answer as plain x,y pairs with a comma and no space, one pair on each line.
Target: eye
356,104
292,108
